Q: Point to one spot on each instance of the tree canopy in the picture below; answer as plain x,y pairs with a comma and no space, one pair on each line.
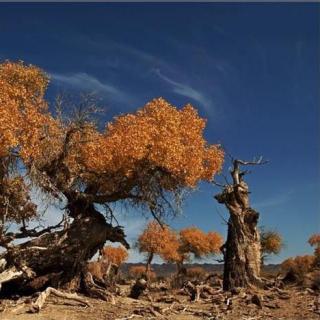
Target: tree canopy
178,247
145,158
114,255
158,240
195,241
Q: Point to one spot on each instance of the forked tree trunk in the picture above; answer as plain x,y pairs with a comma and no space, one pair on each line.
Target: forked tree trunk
242,251
58,259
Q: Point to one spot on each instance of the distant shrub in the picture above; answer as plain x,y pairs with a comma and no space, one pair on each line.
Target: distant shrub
271,243
314,241
196,272
139,271
296,268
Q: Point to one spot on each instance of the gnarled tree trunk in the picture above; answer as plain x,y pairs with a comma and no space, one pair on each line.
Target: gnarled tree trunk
58,259
242,252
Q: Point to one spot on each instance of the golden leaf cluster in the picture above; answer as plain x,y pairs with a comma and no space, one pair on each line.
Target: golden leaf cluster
156,136
159,240
25,124
114,255
197,242
110,256
173,247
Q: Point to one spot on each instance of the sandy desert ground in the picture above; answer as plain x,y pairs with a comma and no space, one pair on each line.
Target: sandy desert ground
289,303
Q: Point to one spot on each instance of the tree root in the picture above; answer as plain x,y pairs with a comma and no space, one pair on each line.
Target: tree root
38,304
95,291
9,275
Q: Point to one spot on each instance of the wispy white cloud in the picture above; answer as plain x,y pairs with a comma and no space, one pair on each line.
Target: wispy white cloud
187,91
88,82
140,63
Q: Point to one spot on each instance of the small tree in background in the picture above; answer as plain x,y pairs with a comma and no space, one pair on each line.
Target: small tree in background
314,241
157,240
113,257
193,241
271,243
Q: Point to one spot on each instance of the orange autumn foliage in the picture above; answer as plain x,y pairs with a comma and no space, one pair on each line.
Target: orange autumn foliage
195,241
25,122
191,241
271,243
114,255
158,240
215,241
158,134
140,157
110,256
25,128
298,266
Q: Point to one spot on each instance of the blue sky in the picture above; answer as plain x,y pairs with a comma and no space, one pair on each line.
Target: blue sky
251,69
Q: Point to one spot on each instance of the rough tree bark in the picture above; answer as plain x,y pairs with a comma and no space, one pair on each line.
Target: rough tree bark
58,259
242,254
